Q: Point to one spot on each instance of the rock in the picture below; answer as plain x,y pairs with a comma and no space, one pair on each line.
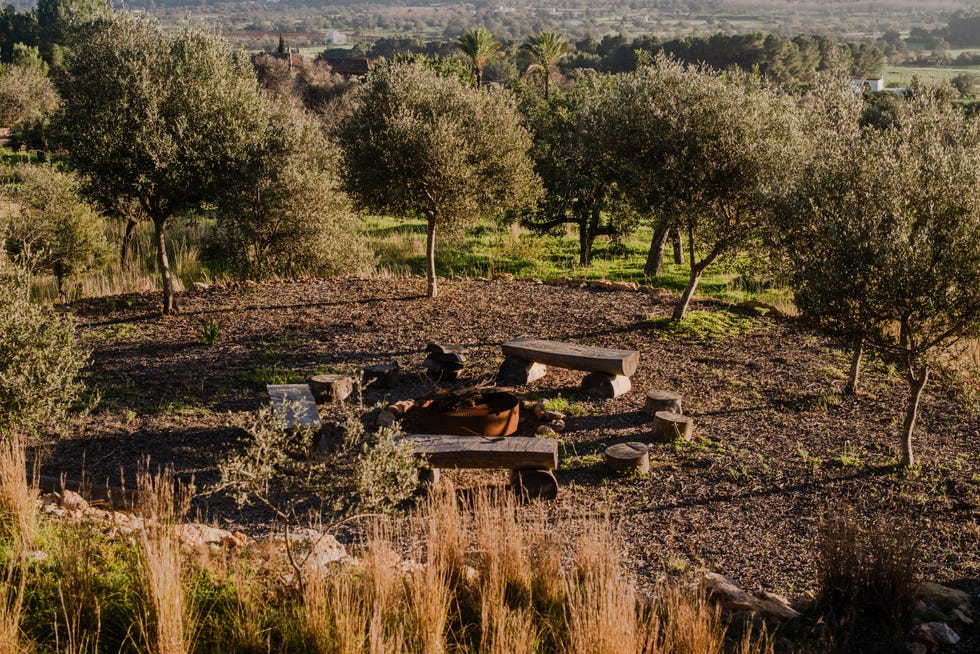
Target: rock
326,549
916,648
504,276
923,635
528,405
200,286
625,286
732,598
557,425
944,597
959,616
943,633
194,534
549,416
235,539
546,431
71,501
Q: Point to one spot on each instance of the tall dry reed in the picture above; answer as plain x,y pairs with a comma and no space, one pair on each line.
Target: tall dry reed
12,589
18,497
164,503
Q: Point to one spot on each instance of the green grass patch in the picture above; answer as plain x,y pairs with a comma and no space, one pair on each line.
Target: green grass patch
568,407
274,374
700,326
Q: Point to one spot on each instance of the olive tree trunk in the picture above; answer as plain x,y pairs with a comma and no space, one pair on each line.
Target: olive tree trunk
127,242
851,388
430,257
655,258
169,303
917,381
675,239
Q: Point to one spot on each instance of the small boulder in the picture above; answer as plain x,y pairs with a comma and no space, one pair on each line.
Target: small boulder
72,501
943,633
546,431
943,597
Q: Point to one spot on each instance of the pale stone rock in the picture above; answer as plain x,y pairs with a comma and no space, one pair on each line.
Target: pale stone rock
72,501
944,597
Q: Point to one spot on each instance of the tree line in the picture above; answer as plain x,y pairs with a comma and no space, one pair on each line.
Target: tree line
872,212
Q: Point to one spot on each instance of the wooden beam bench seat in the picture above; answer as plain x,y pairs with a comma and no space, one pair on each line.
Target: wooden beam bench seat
609,369
530,460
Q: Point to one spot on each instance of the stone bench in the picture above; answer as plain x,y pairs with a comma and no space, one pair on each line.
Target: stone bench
609,370
530,460
295,403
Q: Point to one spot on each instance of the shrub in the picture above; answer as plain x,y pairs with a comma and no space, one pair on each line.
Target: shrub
296,221
867,576
39,362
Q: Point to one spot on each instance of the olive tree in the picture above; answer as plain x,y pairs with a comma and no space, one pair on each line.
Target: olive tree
165,121
896,215
699,150
294,219
50,228
421,145
578,187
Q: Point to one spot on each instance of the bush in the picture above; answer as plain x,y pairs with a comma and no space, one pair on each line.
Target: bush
296,221
39,362
867,576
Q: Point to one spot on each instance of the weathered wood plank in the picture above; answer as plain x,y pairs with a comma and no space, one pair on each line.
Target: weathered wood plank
447,451
573,356
296,403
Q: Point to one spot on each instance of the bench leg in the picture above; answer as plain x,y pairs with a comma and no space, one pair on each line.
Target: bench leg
517,372
534,483
428,476
600,384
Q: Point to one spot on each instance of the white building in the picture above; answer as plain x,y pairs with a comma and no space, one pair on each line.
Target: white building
335,38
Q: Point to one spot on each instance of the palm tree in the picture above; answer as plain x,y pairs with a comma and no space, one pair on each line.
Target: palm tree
545,50
480,47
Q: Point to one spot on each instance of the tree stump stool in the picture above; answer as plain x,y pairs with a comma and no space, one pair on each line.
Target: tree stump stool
331,388
668,426
518,372
628,456
599,384
444,361
662,401
382,376
534,483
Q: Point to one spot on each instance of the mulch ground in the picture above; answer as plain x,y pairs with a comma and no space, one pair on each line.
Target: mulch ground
745,498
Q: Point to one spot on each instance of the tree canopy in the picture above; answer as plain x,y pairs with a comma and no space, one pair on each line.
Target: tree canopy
426,146
171,121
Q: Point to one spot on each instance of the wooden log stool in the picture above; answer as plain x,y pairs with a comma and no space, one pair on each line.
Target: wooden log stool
628,456
662,401
381,376
668,426
331,388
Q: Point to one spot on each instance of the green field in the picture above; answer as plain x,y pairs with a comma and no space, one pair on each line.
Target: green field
901,76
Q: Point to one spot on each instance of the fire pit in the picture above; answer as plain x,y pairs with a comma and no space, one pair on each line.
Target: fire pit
468,412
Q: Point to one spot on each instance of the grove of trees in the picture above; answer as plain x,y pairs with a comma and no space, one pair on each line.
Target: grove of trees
868,205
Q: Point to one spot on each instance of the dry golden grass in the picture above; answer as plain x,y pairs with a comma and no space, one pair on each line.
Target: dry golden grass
12,587
164,503
18,497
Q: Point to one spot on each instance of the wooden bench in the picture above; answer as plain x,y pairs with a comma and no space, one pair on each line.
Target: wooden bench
295,403
609,370
530,460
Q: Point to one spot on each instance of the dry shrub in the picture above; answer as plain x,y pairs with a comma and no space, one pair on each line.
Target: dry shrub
18,497
164,503
867,574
